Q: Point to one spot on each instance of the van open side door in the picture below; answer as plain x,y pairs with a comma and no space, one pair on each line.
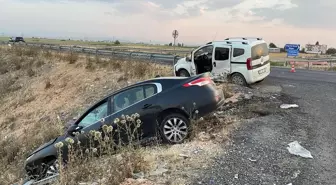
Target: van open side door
221,61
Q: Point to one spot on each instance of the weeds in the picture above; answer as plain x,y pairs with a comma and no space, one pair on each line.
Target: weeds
81,161
30,72
47,54
48,84
71,57
14,150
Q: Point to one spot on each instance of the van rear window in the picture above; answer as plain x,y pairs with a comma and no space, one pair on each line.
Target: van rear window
259,50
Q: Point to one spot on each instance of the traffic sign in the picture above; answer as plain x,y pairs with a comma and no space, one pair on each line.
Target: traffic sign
175,34
292,49
292,53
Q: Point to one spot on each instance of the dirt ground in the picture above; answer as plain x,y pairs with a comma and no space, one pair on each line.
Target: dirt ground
41,91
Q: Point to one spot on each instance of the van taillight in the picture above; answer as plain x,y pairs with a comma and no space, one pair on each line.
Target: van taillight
199,82
249,64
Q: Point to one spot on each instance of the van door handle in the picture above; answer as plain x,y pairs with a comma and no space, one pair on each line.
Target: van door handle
214,64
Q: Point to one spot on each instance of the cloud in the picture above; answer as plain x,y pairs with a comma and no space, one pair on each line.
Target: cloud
197,20
306,13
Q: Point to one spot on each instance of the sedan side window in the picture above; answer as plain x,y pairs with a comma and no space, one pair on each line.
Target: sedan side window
132,96
95,115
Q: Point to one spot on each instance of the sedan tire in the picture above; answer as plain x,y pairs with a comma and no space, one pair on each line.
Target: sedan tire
175,128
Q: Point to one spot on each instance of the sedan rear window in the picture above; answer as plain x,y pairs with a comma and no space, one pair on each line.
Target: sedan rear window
259,50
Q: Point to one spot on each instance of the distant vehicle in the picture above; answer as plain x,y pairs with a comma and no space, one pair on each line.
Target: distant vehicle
164,104
243,60
16,39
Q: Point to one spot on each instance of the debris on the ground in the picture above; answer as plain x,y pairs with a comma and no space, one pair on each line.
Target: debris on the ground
296,149
248,96
296,174
202,136
233,99
287,106
139,175
236,176
219,112
131,181
157,172
196,151
184,156
252,160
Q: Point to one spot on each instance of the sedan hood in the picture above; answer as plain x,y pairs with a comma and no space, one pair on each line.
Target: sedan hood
44,145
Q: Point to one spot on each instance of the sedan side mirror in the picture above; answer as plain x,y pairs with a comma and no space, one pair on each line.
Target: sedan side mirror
74,128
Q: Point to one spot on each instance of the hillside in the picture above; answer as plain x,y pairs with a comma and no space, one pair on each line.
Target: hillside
41,91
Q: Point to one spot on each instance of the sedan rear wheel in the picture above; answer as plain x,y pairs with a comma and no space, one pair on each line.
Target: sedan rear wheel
175,128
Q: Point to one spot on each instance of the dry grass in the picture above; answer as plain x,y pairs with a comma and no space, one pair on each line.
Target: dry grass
40,90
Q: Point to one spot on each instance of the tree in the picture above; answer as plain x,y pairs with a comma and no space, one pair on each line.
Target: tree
317,43
303,50
179,45
170,44
331,51
117,42
272,45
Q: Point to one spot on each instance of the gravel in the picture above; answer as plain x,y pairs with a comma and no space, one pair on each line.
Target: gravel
257,153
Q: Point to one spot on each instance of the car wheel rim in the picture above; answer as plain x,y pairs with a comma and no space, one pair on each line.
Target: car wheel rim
238,80
175,130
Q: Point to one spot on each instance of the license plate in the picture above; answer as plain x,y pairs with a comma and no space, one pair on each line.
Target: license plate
261,71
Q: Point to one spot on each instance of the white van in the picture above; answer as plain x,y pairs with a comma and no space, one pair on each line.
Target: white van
243,60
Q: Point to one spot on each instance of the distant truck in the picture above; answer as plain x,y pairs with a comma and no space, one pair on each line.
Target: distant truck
16,39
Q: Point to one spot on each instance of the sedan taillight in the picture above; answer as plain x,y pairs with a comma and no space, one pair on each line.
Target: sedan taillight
199,82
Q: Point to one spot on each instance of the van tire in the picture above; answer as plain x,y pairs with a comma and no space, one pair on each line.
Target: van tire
183,72
238,79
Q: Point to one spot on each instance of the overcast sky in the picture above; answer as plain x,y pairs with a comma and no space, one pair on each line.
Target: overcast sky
198,21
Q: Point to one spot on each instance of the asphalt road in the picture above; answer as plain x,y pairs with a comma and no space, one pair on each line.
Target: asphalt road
258,153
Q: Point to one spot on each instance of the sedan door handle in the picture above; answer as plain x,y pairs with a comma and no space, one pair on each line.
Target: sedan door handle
146,106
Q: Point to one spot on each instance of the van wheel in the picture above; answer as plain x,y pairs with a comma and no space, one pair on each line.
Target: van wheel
238,79
183,72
